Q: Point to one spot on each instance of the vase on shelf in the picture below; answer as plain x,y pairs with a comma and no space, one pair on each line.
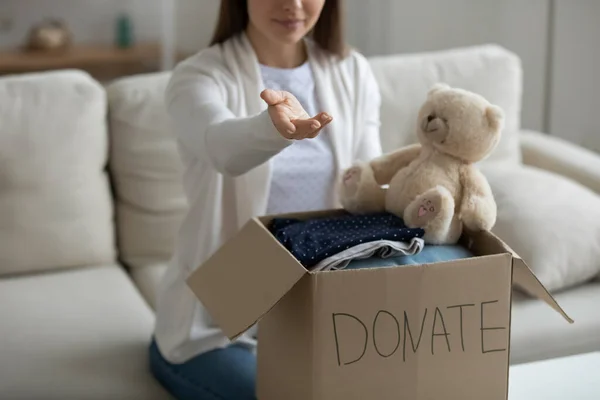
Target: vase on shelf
124,32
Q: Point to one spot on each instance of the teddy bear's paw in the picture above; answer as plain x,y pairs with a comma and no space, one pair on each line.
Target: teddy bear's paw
359,192
424,210
351,180
433,211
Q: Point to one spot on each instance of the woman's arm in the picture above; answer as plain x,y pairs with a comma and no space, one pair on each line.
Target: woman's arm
207,129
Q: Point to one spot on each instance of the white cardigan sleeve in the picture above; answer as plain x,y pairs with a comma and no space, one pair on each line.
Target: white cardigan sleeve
209,130
369,143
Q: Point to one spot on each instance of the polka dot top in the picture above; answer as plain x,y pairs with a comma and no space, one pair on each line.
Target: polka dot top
304,173
314,240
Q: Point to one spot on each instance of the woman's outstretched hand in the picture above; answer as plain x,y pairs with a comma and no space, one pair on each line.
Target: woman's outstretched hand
290,118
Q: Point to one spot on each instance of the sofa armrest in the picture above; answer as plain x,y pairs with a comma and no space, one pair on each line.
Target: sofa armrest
562,157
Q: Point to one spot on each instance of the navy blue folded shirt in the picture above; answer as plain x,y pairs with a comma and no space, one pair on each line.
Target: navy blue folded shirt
314,240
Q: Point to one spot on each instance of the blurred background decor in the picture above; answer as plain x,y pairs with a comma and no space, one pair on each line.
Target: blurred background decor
556,41
108,39
49,35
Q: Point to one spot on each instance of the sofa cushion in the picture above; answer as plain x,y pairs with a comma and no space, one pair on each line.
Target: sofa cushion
55,200
146,171
488,70
552,222
538,332
75,334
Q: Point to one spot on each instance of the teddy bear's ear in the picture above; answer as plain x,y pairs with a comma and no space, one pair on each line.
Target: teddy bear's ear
495,116
437,87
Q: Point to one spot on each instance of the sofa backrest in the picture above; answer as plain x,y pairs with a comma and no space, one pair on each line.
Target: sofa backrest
146,170
55,199
144,160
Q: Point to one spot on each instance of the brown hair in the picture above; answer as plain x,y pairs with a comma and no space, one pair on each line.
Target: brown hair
327,32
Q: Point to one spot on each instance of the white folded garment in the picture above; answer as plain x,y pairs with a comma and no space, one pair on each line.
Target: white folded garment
378,248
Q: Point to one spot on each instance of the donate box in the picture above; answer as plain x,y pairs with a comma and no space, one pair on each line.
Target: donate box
430,331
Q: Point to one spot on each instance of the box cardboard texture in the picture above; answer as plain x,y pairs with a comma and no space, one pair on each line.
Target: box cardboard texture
434,331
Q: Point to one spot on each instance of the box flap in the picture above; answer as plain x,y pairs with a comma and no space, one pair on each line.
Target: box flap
523,276
525,279
245,278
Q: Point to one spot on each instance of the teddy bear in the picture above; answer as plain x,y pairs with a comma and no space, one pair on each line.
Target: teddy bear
434,184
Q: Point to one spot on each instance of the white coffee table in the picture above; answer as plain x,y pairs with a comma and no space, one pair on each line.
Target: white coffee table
569,378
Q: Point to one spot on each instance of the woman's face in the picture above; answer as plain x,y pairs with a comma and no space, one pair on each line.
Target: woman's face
286,21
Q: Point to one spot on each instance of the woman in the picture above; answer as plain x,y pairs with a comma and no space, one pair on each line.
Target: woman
266,118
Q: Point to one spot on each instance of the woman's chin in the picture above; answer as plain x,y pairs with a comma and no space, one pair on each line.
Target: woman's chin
288,35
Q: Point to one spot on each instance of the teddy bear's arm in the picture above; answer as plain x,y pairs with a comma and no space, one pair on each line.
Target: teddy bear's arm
478,207
385,166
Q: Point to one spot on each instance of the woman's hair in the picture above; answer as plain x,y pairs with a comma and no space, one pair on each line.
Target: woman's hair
327,32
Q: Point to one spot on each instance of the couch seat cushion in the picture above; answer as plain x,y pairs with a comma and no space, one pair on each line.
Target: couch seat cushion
75,334
538,332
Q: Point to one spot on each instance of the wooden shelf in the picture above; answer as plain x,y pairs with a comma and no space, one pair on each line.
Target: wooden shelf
91,57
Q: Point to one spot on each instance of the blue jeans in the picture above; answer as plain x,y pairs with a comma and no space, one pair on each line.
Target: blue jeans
220,374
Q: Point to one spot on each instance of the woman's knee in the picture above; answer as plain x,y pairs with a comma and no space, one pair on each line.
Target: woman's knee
221,374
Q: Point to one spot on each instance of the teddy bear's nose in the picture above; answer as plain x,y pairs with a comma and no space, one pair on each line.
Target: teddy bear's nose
430,118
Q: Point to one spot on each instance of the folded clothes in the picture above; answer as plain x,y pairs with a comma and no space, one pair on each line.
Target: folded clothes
314,240
428,255
379,249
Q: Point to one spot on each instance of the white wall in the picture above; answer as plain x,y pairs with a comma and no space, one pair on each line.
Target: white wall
427,25
575,84
90,20
196,20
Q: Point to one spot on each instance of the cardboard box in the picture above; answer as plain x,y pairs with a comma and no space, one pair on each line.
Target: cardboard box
436,331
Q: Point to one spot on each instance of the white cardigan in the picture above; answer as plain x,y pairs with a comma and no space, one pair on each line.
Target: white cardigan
226,141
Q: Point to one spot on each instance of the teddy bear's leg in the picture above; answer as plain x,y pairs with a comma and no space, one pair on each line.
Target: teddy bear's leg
478,213
359,192
387,165
434,212
478,209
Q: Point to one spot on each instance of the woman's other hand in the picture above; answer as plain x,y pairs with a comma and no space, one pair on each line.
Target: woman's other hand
290,118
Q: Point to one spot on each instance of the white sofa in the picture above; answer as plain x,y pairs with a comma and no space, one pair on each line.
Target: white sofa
90,201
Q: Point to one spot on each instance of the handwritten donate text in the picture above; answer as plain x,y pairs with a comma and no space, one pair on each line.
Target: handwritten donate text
410,337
